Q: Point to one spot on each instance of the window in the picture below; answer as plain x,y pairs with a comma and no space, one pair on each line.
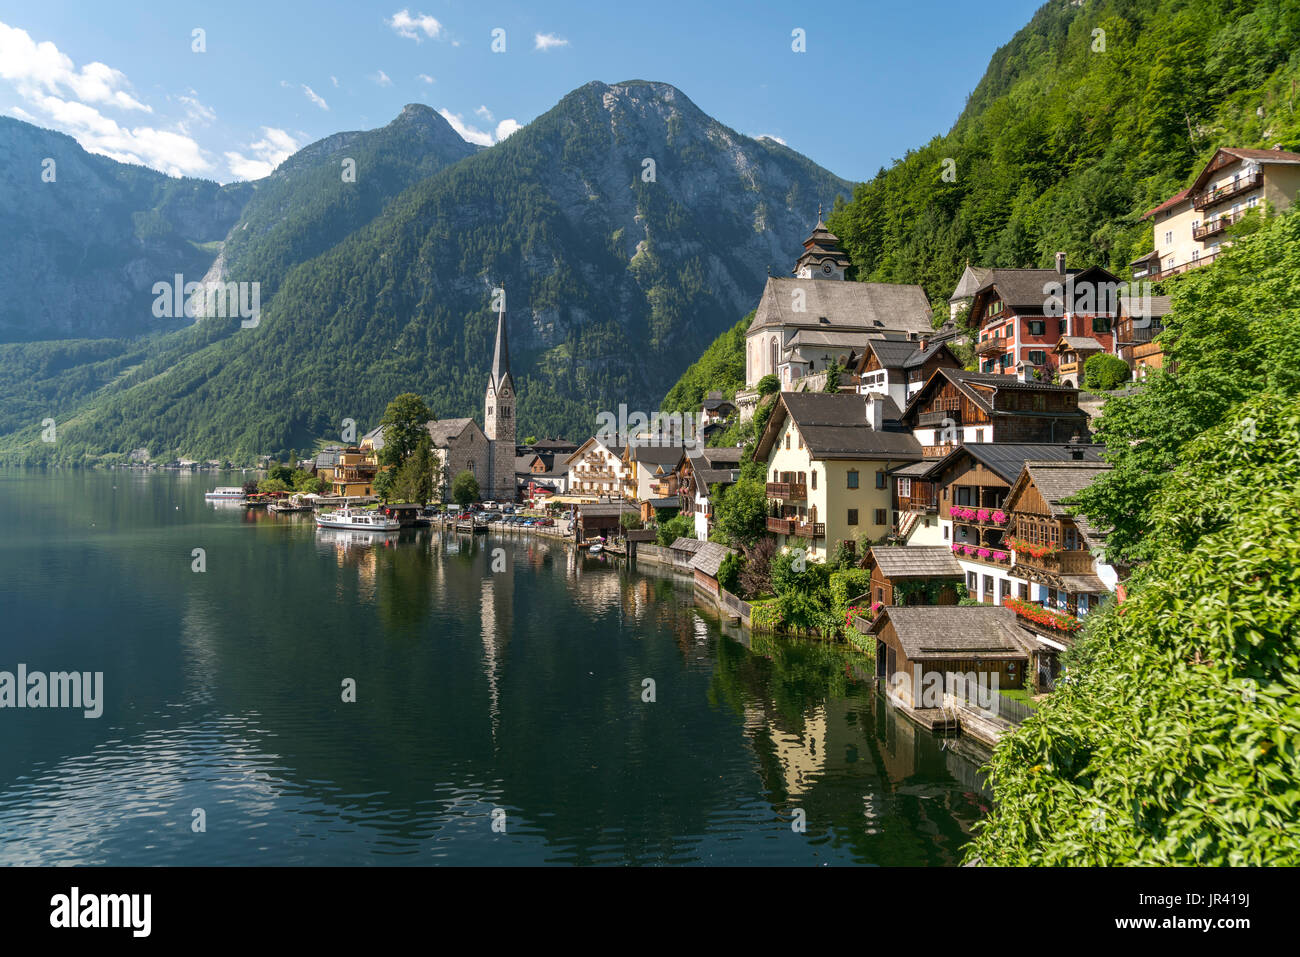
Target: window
814,478
1102,323
801,440
1004,589
988,587
1169,238
972,583
787,440
1038,357
853,516
905,488
880,479
979,435
881,517
880,594
1037,327
852,478
945,533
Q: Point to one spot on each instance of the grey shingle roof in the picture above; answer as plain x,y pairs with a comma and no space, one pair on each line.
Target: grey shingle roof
1081,344
1006,459
1057,481
965,380
847,305
709,556
442,431
853,339
916,561
1151,306
834,425
691,545
665,456
972,278
956,631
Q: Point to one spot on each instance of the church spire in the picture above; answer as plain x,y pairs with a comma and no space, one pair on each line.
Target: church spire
501,359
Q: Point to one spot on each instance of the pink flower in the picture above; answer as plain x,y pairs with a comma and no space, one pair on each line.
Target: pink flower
956,549
968,549
984,553
982,515
1000,517
1000,556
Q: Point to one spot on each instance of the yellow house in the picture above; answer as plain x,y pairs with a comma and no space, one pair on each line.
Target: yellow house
350,472
827,459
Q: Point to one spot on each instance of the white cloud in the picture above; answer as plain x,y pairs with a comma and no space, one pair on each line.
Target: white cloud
768,136
40,69
425,77
383,79
335,81
195,110
411,27
545,41
270,151
472,134
484,112
311,95
174,153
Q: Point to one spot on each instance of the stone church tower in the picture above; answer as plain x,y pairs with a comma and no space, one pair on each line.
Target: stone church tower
499,420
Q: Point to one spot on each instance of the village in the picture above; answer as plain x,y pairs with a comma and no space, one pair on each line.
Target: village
925,471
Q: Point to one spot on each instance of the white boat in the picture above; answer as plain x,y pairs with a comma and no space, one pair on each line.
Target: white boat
225,493
368,520
596,549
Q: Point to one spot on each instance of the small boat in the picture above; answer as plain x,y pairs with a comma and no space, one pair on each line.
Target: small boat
225,493
596,548
359,518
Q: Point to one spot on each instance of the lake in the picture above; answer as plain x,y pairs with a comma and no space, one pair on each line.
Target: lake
499,715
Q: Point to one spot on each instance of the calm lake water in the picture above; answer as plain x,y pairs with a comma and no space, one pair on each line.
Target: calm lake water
518,690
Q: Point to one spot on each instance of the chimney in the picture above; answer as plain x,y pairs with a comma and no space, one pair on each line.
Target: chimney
876,411
1060,263
924,343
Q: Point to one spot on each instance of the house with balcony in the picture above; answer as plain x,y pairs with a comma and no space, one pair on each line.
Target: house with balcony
969,506
956,407
653,470
1022,314
1071,353
828,458
897,367
597,472
971,280
1137,333
1188,229
704,471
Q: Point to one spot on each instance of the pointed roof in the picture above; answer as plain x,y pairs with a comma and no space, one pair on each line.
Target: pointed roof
501,358
822,245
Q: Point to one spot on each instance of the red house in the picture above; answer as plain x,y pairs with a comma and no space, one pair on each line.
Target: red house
1022,314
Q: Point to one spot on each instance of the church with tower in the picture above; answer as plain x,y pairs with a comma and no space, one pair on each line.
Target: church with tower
499,419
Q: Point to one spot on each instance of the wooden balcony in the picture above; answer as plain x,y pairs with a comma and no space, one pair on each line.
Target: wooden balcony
928,419
787,491
1070,368
1183,267
937,451
991,345
1075,562
810,529
781,526
1211,197
917,503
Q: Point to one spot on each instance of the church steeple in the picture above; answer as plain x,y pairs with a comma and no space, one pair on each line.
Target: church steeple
501,359
822,256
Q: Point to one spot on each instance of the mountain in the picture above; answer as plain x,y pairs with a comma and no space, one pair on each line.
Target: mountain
627,227
1067,139
96,237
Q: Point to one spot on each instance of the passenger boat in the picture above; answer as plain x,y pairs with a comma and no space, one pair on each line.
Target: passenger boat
225,493
359,518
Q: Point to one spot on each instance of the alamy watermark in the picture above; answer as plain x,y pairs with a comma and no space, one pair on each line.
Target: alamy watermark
658,429
938,689
203,300
58,689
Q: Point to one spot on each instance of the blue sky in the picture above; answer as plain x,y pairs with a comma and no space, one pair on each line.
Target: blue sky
876,79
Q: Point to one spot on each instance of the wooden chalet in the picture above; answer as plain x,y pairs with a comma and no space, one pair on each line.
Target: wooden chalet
895,568
957,407
899,367
1137,333
602,519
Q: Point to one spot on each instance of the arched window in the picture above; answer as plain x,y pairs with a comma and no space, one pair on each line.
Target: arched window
773,351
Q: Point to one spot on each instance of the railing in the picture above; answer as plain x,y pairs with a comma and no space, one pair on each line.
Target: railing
937,451
917,503
959,551
1073,562
979,515
991,344
985,700
787,490
781,526
937,418
810,530
1141,334
1184,267
1217,195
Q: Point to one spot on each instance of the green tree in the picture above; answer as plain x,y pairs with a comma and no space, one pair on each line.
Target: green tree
414,480
833,378
404,423
629,520
1104,372
729,572
768,385
679,526
741,511
464,489
273,485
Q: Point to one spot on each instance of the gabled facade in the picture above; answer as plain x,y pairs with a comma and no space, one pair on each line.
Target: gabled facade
1071,353
827,458
957,407
1023,313
596,471
702,471
1188,228
653,470
899,367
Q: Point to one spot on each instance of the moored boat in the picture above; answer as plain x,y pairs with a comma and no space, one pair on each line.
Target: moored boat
225,493
368,520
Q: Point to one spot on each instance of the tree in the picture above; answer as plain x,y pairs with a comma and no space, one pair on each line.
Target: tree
756,573
679,526
1104,372
273,485
414,480
768,385
281,473
833,378
741,511
384,484
250,487
729,571
464,489
404,422
629,520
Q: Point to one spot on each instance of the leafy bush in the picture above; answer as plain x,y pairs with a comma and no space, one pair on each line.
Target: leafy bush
768,385
729,572
679,526
1104,372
